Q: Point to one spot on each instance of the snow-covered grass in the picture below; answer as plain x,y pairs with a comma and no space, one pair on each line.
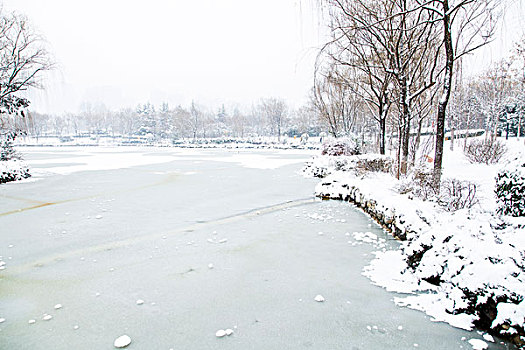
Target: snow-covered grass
464,267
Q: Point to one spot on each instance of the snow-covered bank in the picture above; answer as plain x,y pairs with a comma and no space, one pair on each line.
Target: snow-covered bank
464,267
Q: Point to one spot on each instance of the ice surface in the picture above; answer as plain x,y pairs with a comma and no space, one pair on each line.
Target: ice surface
273,259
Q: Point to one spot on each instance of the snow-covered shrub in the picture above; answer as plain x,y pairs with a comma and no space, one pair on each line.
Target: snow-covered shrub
510,192
13,170
452,195
420,183
487,151
378,164
313,169
11,166
341,147
455,194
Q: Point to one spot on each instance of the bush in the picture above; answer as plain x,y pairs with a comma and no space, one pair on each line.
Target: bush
452,195
420,184
487,151
341,147
380,164
510,192
456,194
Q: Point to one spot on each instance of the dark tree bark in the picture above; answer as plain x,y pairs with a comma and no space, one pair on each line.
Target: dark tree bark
443,101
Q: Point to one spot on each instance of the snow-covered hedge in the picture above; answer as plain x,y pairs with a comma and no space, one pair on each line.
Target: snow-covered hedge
13,170
510,191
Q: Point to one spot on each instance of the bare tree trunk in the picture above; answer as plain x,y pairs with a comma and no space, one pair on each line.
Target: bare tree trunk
452,132
404,136
382,136
398,151
418,140
519,126
467,131
443,102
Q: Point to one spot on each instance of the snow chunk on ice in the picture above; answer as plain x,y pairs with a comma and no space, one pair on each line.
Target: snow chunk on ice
319,298
229,331
47,317
140,302
58,306
220,333
488,337
122,341
366,237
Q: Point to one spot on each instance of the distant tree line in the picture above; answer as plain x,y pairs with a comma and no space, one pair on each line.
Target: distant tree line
270,117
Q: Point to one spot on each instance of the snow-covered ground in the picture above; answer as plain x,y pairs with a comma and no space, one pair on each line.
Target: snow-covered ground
467,267
77,159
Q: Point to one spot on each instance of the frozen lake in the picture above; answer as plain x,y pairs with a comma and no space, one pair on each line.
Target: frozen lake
169,246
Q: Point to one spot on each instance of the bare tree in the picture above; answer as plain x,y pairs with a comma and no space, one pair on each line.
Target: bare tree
275,111
333,100
194,120
238,123
22,60
392,47
355,51
411,39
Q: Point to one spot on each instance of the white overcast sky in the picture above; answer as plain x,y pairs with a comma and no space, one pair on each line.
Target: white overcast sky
125,52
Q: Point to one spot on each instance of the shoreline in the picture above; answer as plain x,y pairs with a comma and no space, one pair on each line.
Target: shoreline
436,266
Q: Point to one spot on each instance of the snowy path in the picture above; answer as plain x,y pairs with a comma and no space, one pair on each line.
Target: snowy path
169,247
